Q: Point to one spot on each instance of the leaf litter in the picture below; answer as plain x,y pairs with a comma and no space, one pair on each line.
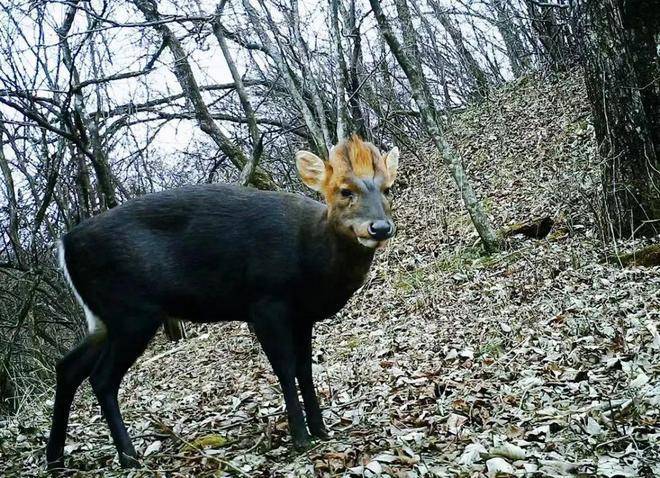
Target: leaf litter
541,360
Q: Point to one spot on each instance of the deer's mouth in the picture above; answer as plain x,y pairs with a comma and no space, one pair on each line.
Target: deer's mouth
365,239
368,242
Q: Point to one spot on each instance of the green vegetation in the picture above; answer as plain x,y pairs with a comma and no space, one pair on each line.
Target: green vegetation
207,441
492,348
648,256
465,260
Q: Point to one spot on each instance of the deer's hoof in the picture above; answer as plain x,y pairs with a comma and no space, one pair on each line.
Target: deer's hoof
56,464
321,434
302,444
128,461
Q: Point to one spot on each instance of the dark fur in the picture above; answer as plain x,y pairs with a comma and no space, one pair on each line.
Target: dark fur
206,254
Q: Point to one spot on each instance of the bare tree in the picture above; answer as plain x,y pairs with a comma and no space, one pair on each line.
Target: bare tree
355,66
87,126
550,22
274,52
413,70
509,29
342,80
622,72
471,65
192,92
250,167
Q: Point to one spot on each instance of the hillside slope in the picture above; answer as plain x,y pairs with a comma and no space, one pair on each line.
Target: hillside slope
541,355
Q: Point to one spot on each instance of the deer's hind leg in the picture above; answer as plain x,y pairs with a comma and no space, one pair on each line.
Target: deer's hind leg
124,345
71,370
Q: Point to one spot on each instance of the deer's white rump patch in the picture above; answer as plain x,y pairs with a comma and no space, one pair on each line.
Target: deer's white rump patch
94,324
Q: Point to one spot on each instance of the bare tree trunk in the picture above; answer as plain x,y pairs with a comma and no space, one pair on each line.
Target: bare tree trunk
175,330
307,67
10,191
83,186
190,89
472,66
621,72
342,80
357,115
413,71
515,47
435,53
545,21
51,172
287,74
257,143
87,125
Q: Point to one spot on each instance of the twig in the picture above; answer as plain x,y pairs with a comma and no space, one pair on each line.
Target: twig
172,433
171,351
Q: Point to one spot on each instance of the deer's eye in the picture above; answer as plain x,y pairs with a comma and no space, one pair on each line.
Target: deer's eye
347,193
387,191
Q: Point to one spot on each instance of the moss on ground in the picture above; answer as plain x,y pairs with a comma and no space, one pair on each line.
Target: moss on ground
464,260
648,256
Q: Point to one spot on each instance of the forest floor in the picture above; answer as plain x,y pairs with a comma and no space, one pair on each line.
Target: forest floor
541,360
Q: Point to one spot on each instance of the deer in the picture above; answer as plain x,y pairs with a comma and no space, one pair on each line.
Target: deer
219,252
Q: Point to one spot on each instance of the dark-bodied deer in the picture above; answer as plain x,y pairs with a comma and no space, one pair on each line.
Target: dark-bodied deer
212,253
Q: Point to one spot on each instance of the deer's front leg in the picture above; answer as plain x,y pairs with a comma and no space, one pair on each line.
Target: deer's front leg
274,328
303,339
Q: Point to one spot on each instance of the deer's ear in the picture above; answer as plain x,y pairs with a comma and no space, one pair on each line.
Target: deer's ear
311,169
392,164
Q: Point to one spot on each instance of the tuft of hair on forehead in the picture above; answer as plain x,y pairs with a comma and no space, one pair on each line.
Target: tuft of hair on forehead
357,156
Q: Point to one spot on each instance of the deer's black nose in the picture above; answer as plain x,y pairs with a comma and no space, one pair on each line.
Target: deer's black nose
381,230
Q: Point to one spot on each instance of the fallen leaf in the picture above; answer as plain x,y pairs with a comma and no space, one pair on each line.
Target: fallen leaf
508,450
472,454
153,448
498,467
